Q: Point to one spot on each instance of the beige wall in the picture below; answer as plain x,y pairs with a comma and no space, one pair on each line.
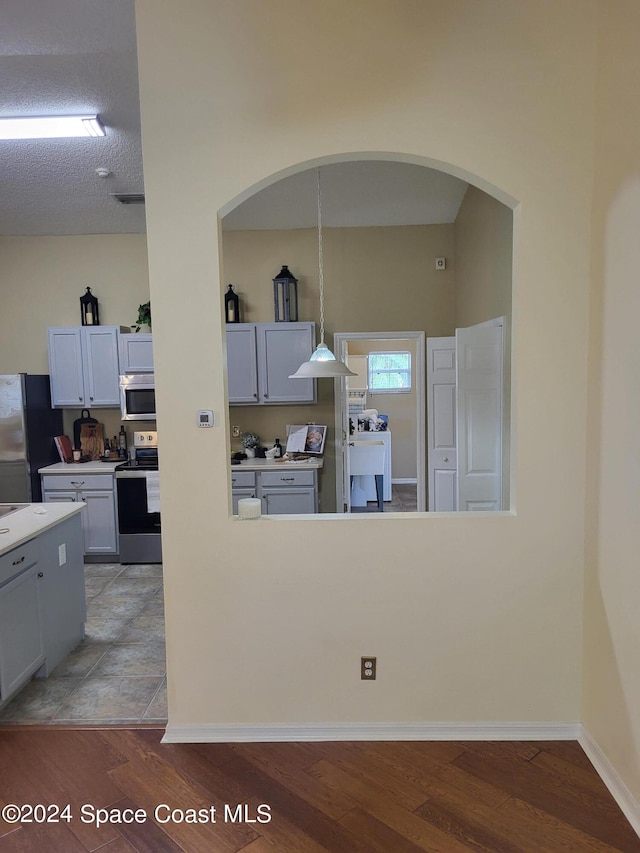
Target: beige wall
471,618
43,278
611,706
376,279
401,408
42,281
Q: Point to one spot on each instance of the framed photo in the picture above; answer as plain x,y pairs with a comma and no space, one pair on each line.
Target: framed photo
306,438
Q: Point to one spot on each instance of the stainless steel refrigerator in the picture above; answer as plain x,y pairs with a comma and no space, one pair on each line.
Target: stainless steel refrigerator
28,425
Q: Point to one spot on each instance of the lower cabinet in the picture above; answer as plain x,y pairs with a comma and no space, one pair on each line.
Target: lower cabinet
99,519
42,605
283,492
21,649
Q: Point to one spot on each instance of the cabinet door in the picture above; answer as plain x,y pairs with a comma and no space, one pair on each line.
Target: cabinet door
136,353
280,501
62,590
100,346
99,522
242,370
21,652
282,348
65,366
236,494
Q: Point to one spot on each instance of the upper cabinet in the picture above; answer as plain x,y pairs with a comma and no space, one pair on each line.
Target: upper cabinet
136,353
83,366
260,359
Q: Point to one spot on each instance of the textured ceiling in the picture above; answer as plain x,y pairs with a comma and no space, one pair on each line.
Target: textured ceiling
70,56
79,56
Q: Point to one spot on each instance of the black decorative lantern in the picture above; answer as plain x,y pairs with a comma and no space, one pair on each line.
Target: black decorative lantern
231,306
89,309
285,297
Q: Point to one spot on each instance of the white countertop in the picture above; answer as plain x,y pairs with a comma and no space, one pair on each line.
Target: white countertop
276,465
81,467
31,520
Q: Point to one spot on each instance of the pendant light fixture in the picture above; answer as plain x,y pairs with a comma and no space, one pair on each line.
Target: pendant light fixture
323,362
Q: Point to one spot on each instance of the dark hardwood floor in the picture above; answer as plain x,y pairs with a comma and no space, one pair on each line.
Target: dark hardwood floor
450,797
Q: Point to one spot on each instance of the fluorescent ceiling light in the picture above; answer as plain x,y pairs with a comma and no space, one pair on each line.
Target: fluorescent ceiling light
50,127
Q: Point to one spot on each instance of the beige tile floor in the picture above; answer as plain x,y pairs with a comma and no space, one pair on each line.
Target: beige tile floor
118,673
403,499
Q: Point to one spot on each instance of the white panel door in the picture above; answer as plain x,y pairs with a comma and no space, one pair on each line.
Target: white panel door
441,424
479,401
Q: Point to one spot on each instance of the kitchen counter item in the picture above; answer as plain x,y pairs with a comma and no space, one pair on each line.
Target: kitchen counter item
278,464
77,426
92,440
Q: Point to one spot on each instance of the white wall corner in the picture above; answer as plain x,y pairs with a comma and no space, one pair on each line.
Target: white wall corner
629,806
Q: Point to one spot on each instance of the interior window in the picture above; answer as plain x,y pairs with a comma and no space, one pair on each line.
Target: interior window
389,372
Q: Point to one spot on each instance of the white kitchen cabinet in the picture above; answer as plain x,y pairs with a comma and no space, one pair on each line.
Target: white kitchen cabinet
62,591
260,359
83,366
282,492
243,485
42,605
99,519
21,648
136,352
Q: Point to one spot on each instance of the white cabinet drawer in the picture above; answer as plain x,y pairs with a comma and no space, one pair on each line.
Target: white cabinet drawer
241,479
67,482
19,559
287,478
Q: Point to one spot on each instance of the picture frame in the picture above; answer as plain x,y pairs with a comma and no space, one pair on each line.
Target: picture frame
306,438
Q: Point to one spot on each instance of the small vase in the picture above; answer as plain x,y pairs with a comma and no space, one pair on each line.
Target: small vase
250,452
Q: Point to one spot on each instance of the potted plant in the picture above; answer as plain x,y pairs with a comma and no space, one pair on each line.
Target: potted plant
144,317
250,442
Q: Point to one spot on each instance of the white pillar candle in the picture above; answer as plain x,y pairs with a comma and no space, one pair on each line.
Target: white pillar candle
249,508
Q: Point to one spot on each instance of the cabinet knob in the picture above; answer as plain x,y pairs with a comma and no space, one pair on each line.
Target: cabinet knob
266,396
40,574
446,459
80,399
91,398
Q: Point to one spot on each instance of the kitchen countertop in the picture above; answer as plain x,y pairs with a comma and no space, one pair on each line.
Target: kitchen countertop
81,467
31,520
273,465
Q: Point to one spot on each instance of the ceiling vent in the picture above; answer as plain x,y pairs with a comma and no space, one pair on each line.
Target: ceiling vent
129,198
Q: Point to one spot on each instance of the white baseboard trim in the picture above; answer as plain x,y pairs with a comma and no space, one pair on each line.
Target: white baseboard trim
629,806
410,481
370,731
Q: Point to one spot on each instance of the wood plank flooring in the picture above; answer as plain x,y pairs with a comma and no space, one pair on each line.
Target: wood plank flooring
450,797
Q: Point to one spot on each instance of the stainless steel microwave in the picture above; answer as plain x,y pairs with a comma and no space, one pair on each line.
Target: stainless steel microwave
138,397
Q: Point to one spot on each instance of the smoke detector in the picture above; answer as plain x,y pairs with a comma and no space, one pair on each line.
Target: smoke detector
103,172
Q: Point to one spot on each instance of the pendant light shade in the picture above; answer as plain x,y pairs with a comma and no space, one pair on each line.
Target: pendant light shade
323,363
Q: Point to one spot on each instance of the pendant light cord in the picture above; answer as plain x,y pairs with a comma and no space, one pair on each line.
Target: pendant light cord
320,268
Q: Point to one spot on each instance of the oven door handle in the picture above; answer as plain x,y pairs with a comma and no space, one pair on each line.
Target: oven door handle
134,474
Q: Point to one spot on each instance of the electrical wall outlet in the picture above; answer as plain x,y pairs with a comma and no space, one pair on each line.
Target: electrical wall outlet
235,431
368,669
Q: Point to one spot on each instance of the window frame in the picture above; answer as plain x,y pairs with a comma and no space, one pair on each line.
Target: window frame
388,390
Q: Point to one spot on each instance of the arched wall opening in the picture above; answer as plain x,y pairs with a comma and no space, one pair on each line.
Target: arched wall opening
387,217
